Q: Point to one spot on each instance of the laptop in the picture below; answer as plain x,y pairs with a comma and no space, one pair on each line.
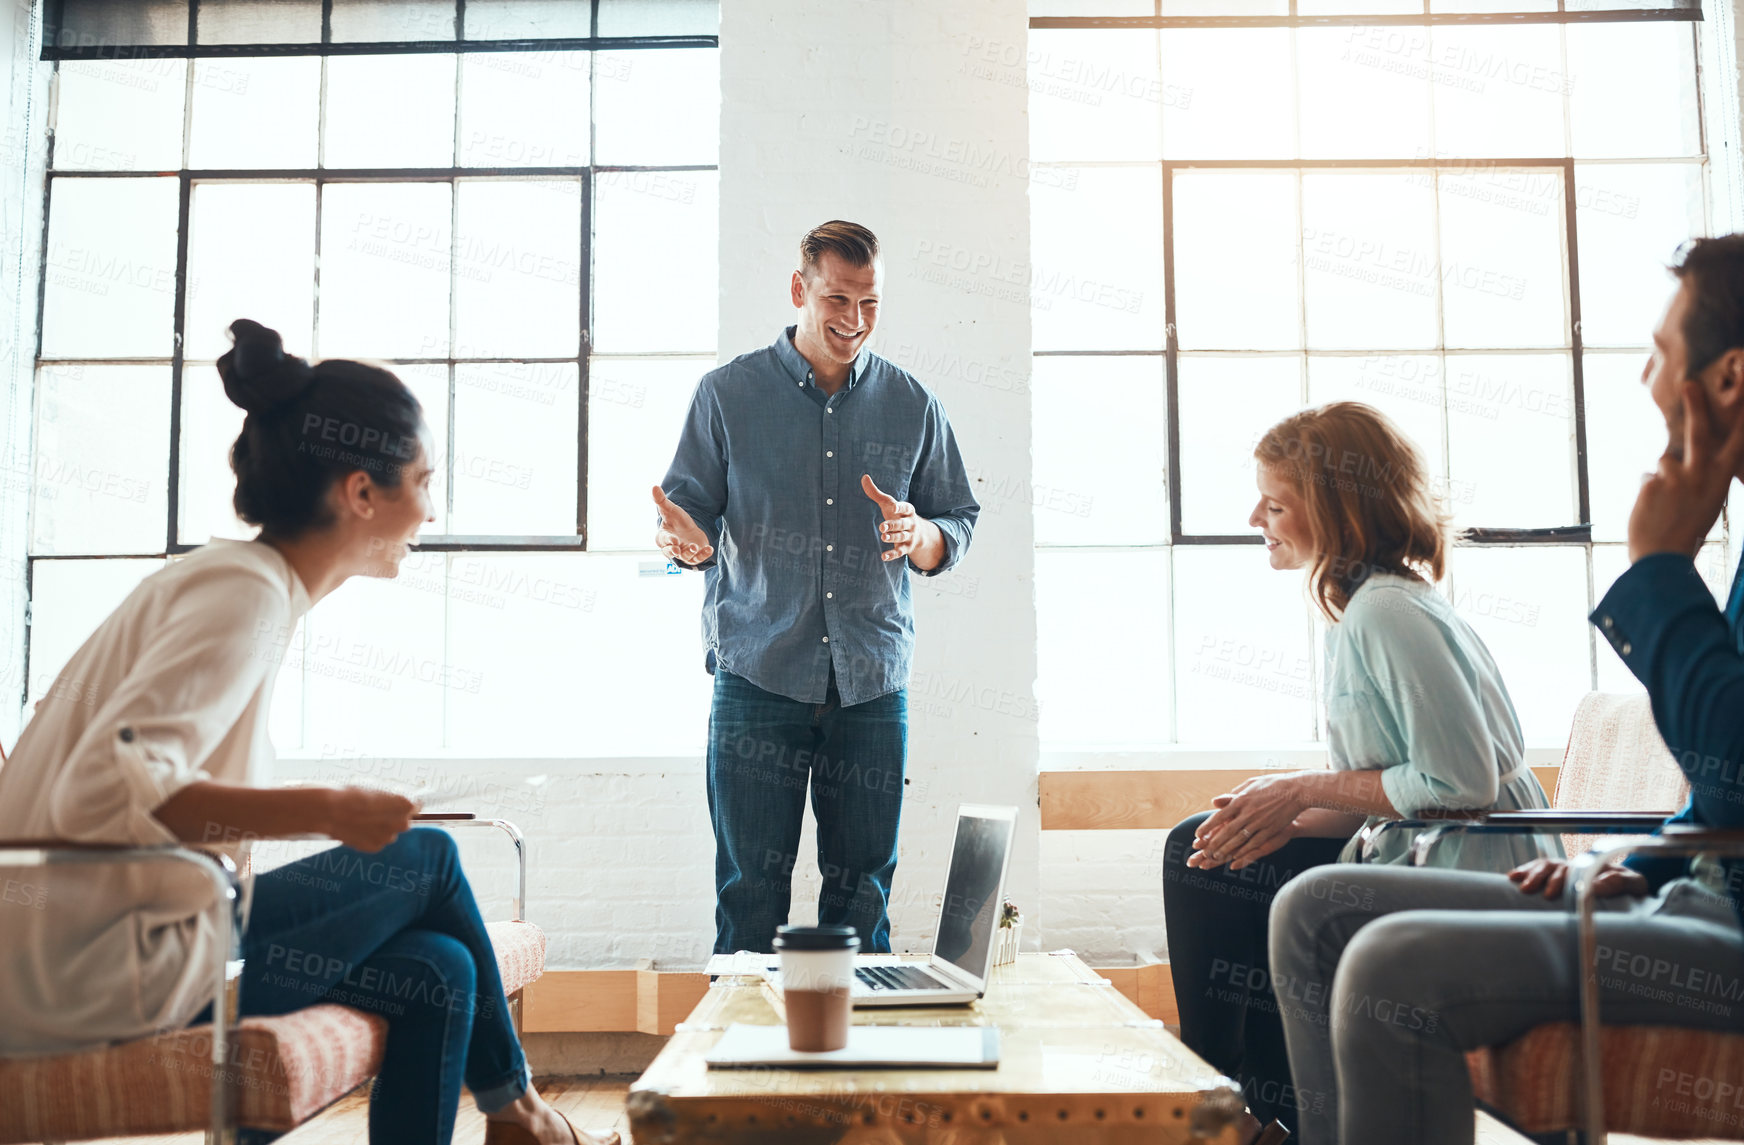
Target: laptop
955,973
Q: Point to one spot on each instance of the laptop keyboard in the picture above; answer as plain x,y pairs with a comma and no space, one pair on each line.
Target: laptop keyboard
897,978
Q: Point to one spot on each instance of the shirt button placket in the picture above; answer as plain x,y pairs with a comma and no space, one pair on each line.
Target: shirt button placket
831,486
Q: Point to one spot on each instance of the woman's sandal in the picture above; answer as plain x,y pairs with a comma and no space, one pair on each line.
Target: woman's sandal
508,1133
1273,1134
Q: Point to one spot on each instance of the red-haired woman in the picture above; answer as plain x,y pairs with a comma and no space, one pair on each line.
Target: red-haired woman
1418,720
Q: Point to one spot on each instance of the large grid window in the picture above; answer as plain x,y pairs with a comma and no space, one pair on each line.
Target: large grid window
1456,211
514,203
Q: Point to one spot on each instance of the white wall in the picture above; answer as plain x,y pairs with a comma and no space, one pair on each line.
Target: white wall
23,89
869,111
864,111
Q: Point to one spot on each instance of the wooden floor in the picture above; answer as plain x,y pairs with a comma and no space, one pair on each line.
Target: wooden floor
597,1104
592,1103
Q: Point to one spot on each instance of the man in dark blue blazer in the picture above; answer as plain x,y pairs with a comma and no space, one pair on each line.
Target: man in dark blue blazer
1387,976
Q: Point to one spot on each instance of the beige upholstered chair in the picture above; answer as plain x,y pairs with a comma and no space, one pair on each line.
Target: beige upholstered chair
281,1071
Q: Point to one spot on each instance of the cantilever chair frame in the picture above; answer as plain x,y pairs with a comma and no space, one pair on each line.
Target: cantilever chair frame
221,1125
1675,840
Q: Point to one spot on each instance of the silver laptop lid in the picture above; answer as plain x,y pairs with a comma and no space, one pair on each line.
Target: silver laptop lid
975,889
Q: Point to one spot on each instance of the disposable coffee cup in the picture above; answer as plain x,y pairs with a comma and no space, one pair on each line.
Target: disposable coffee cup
817,972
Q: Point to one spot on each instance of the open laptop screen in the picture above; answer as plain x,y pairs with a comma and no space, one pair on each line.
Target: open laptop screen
971,905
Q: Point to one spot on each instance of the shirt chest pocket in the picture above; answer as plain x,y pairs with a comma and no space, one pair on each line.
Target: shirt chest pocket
891,464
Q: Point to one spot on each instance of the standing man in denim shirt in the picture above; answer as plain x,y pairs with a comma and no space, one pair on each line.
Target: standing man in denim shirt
810,477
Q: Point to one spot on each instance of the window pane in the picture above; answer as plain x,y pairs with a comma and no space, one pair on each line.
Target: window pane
390,111
518,283
120,115
383,20
1358,7
68,600
1655,111
385,250
1236,245
645,223
254,112
1108,7
429,384
527,19
1529,605
524,109
1497,5
1625,437
649,696
1517,407
101,472
1369,246
1498,90
210,425
1244,671
636,408
1227,404
373,665
251,254
660,18
1631,218
1407,388
1609,563
1227,94
1095,94
1365,91
111,269
260,22
123,22
1096,279
515,462
1103,488
1084,603
1502,273
657,106
1213,8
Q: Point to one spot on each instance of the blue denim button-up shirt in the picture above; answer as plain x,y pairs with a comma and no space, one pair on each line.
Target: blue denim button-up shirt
769,467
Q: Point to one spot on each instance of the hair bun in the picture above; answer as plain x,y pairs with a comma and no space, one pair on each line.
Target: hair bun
258,374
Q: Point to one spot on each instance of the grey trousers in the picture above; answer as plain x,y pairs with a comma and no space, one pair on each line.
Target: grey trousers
1386,976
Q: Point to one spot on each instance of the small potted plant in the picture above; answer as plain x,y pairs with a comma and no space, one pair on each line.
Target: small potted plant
1008,934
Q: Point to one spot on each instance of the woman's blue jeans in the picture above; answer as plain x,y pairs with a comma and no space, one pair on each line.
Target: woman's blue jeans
764,751
397,933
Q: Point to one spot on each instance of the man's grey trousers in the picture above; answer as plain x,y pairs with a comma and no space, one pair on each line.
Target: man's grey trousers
1386,976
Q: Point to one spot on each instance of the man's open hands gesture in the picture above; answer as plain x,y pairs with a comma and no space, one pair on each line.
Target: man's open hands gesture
678,538
906,532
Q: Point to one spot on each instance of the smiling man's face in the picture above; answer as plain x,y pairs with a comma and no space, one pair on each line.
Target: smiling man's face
838,306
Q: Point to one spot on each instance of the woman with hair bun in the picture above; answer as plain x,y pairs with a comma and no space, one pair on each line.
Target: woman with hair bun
160,736
1417,721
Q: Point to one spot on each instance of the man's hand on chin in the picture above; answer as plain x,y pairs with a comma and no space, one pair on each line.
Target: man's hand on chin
1680,501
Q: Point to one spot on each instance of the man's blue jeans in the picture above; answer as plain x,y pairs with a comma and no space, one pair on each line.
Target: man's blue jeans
395,932
764,750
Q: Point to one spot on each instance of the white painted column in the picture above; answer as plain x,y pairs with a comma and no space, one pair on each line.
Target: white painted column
874,111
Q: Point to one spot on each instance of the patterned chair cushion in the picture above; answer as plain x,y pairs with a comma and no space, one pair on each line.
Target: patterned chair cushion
520,948
292,1066
1616,761
1660,1081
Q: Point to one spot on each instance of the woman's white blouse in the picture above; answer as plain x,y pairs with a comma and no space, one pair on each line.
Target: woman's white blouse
173,688
1412,691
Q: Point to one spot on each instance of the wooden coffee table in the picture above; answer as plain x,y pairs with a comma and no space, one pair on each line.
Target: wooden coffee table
1079,1063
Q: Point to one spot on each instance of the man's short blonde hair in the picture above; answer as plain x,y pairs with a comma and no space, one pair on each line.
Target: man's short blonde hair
851,242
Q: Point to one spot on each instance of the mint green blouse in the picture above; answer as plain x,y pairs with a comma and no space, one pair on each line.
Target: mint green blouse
1412,691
